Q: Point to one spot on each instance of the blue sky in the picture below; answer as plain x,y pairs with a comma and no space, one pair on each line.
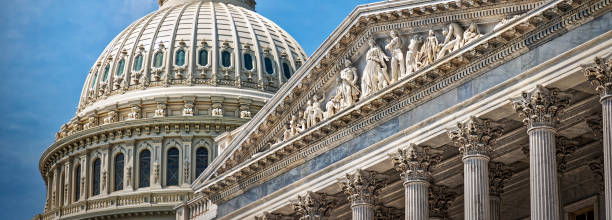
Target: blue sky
48,47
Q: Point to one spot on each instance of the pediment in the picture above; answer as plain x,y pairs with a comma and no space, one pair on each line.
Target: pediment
351,77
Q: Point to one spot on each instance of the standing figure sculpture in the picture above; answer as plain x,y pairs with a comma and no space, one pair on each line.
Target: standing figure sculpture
429,50
471,34
375,70
331,107
317,112
412,56
454,30
308,115
398,67
347,89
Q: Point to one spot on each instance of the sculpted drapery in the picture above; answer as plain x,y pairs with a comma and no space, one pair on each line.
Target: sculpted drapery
375,73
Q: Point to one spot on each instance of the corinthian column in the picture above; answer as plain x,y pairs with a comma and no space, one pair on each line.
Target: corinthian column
313,206
540,111
440,199
600,75
498,174
475,139
362,188
415,163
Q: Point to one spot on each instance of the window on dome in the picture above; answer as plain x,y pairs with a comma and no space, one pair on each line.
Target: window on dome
226,59
120,67
248,61
119,163
203,57
158,59
138,62
287,70
93,82
201,160
77,183
144,164
269,65
96,177
106,71
172,169
180,58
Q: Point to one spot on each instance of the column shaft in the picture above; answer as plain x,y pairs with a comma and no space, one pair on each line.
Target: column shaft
363,211
476,187
417,200
495,207
543,174
606,103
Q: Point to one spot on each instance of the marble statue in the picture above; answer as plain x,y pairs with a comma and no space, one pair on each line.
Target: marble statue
317,112
375,73
188,109
398,66
453,39
245,112
287,133
308,114
504,21
217,110
332,107
412,56
348,90
471,34
160,111
429,50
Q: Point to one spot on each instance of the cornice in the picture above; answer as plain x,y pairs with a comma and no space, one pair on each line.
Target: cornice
510,40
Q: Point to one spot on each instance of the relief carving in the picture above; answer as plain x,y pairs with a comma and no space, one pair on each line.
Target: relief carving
375,73
160,110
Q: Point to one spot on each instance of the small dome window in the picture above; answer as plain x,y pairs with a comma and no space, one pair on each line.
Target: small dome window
286,70
77,181
203,58
138,62
120,67
269,65
106,71
93,82
248,61
158,60
119,165
96,177
180,58
226,59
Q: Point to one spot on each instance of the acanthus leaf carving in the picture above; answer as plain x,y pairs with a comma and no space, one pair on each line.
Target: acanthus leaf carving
363,186
314,205
476,136
415,162
541,107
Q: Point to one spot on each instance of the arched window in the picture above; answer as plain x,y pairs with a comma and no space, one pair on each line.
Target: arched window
226,59
77,183
248,61
269,65
96,177
144,164
93,82
286,70
120,67
119,163
106,71
180,58
203,57
158,60
172,169
138,62
201,160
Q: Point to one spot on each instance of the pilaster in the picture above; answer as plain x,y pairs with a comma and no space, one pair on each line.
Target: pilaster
187,163
476,138
498,174
440,200
540,110
156,163
314,206
362,188
84,177
415,164
599,74
129,178
67,181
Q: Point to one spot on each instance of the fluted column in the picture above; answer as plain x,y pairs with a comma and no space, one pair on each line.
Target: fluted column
362,188
415,163
600,75
540,110
475,139
498,174
314,206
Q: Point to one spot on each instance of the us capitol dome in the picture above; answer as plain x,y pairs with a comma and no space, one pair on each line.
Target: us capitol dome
164,97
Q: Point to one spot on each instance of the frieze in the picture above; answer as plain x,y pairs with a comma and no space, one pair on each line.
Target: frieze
386,108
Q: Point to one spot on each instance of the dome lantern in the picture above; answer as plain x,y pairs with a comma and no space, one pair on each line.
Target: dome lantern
248,4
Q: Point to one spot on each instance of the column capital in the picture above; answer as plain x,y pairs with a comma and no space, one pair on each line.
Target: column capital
274,216
565,147
313,205
415,162
595,123
597,168
541,107
440,199
362,187
498,174
599,74
382,212
476,136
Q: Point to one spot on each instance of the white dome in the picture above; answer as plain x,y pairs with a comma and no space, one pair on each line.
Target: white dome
198,44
